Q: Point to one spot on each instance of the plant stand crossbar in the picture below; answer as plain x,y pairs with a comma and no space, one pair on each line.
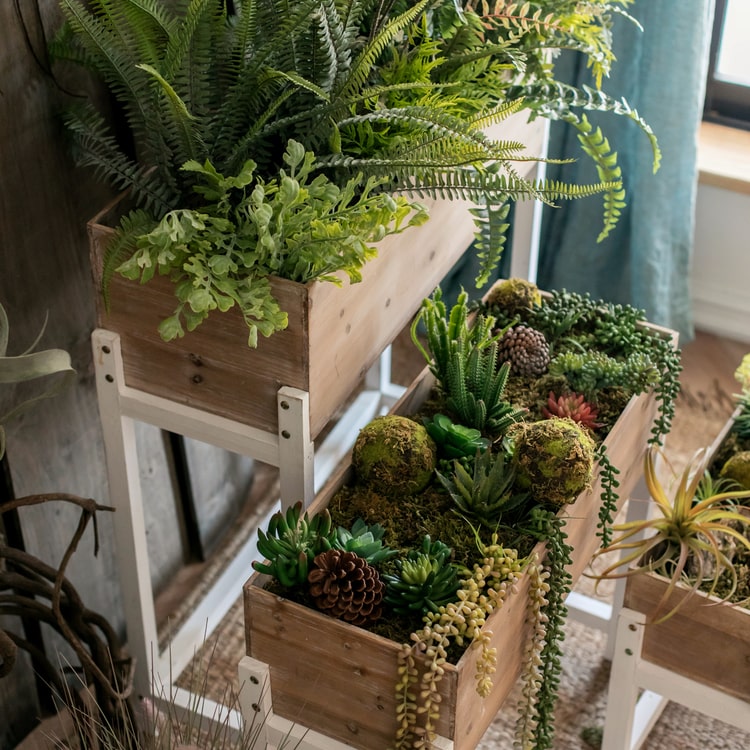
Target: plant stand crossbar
631,717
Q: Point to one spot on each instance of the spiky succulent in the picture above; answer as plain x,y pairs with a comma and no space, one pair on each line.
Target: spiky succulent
574,406
425,580
454,440
487,493
291,542
364,540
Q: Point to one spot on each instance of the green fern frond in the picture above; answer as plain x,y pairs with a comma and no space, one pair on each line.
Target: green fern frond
362,65
597,147
491,236
122,245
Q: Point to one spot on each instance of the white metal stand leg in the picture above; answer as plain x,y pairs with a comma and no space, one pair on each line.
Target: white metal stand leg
119,406
601,615
629,717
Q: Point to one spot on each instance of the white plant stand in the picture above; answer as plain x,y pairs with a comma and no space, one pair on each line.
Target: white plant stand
301,473
631,717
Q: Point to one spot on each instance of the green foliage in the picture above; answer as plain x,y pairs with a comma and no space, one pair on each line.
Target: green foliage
297,226
454,440
425,579
550,527
608,509
741,423
399,92
590,371
463,358
684,541
364,540
290,543
488,492
27,366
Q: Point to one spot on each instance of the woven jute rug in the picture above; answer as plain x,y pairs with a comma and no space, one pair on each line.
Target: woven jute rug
583,693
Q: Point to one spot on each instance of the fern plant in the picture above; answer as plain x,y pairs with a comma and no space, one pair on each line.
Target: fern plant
399,92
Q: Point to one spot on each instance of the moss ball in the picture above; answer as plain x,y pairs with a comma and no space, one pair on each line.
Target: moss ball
394,454
738,469
554,459
514,295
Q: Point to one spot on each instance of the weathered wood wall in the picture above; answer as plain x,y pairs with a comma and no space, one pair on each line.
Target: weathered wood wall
44,205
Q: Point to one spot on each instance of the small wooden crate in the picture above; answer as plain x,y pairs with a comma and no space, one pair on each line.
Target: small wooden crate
339,680
335,334
704,640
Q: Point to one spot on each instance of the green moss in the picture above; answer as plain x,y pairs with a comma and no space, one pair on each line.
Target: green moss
514,295
394,454
554,459
737,468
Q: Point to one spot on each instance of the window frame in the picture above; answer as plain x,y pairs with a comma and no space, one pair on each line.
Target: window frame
725,103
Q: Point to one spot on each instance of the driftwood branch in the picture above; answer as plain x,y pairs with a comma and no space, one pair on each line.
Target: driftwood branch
31,588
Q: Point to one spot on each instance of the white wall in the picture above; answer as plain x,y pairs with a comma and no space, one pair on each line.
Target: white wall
720,278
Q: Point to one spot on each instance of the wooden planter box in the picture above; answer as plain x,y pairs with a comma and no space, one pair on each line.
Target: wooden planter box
340,680
708,644
334,335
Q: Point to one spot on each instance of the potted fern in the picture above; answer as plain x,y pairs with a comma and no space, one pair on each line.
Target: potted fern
477,502
387,102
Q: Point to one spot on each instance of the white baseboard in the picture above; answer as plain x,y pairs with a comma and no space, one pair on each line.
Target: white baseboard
721,310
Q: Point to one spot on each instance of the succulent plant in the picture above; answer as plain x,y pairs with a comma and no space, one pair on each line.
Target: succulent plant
526,349
574,406
454,440
364,540
343,585
290,543
426,580
488,492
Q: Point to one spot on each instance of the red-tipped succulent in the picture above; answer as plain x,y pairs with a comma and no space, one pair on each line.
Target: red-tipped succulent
574,406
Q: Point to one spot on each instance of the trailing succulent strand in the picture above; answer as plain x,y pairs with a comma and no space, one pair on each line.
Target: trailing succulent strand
531,673
421,662
550,527
609,497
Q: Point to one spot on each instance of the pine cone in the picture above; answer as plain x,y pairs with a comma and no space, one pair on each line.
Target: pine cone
345,586
526,349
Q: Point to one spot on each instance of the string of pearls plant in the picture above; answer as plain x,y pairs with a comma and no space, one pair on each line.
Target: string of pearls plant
481,592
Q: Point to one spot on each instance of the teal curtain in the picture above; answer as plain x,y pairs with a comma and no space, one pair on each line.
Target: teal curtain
645,262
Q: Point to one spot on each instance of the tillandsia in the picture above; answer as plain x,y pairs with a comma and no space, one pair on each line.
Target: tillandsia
686,538
483,590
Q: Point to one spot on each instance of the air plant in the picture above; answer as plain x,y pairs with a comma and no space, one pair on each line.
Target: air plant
690,535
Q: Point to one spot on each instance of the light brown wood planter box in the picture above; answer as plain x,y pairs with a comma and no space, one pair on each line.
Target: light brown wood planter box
708,644
334,334
340,680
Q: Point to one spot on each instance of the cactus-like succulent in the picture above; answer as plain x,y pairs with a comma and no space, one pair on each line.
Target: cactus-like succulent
455,440
365,541
487,493
425,580
574,406
343,585
291,542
